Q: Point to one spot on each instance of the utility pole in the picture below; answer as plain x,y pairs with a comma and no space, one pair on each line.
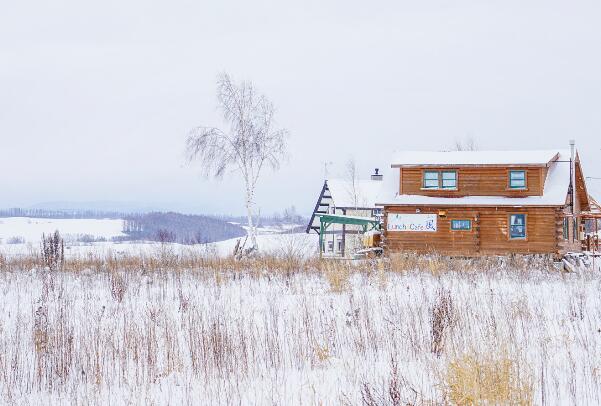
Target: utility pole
325,169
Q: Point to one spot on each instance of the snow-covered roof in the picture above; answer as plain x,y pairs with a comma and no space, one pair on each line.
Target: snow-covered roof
554,193
363,194
424,158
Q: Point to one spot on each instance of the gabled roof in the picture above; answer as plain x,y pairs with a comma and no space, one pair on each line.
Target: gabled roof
554,193
465,158
361,194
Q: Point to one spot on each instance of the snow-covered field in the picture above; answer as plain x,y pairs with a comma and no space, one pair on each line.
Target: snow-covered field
22,236
201,337
303,244
31,229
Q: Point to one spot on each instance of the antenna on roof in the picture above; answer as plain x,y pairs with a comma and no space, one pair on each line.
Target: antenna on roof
573,174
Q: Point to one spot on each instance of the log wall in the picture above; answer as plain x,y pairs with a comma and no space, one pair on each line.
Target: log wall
489,234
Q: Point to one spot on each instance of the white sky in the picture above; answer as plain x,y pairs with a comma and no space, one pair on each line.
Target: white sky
96,98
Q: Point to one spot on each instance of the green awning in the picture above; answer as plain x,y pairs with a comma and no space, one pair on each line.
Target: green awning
343,219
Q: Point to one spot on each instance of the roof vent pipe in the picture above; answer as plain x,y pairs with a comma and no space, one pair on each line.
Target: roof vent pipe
376,175
573,174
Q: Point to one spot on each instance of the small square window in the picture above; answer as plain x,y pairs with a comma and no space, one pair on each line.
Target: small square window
431,179
464,225
517,226
449,180
517,179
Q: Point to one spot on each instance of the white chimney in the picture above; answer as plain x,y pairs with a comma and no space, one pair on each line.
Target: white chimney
376,175
573,174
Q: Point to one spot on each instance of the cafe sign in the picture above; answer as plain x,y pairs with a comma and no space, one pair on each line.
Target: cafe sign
411,222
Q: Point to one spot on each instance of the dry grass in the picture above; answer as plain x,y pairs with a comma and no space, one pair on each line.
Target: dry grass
192,328
442,318
164,259
285,261
337,274
490,380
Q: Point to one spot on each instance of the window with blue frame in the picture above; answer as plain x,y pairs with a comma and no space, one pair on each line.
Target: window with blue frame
449,179
517,226
461,225
517,179
440,180
431,179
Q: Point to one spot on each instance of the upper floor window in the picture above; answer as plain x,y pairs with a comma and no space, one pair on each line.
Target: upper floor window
431,179
517,179
440,180
517,226
449,179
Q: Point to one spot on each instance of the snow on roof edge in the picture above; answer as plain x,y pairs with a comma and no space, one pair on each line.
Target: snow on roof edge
521,157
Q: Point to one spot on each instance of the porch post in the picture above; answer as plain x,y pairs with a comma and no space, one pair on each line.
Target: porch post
343,236
321,231
596,240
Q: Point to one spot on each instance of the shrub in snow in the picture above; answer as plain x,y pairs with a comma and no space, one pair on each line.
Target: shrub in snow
15,240
53,251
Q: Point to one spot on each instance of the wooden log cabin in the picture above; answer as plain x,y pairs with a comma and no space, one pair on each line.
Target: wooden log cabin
474,203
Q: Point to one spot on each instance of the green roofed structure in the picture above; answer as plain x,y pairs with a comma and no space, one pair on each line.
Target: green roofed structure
326,220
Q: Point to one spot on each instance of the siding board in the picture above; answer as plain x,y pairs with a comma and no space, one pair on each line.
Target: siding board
474,181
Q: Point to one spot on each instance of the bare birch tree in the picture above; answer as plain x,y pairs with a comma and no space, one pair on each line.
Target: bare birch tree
352,181
250,142
469,144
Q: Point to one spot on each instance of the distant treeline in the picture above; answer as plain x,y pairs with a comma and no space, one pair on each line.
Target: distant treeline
288,216
180,228
62,214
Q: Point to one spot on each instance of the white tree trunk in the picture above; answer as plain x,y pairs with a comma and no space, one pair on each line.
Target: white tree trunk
252,231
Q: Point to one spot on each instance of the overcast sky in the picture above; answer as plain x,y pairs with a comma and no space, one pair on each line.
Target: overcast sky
96,98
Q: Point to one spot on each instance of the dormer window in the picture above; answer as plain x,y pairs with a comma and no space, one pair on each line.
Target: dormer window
517,179
449,179
431,179
440,180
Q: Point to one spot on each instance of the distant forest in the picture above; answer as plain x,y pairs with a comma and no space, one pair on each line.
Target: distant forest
180,228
